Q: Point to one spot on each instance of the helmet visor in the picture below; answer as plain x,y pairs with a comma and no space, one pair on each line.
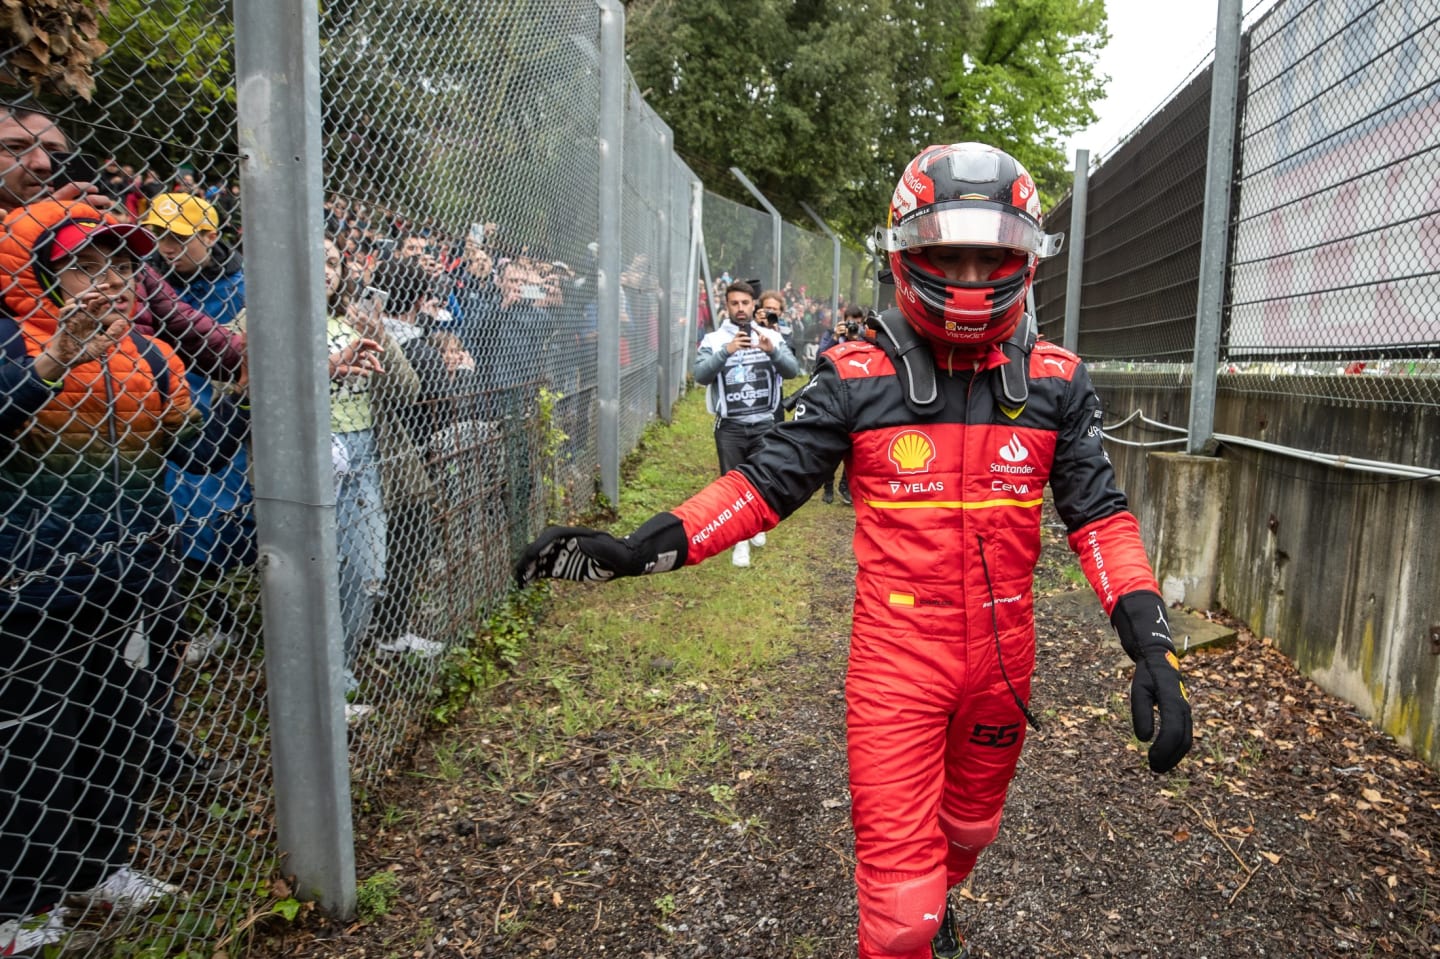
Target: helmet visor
970,223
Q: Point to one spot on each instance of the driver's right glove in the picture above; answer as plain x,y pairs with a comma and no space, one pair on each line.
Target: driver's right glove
581,554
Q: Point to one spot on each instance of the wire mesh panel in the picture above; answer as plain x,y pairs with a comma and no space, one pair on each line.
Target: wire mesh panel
133,798
461,179
738,241
684,276
642,236
1052,275
858,283
1335,265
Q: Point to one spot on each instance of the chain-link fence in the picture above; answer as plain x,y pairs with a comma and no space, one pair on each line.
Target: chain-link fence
1332,273
1335,267
133,751
740,245
461,254
739,241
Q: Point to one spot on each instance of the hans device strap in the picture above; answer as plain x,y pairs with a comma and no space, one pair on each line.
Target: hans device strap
914,364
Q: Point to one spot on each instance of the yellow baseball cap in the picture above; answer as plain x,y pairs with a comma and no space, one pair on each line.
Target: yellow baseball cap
182,213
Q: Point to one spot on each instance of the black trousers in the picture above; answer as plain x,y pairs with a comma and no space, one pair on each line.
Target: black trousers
734,442
77,724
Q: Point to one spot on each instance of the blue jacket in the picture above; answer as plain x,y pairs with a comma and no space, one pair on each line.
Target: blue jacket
213,510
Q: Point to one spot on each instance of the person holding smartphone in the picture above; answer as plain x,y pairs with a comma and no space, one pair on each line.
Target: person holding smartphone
37,161
91,411
742,365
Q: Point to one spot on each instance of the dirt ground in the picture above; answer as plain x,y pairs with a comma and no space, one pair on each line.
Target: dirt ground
1292,829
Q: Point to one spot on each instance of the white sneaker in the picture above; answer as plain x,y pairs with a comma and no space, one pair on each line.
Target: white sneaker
207,644
741,554
410,643
19,936
354,712
758,539
126,887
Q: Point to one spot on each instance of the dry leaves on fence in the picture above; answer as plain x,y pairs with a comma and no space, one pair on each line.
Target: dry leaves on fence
51,45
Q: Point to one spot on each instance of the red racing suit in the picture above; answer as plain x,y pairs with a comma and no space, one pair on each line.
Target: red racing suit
947,534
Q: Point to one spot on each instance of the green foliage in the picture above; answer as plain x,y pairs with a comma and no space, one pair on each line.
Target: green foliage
552,440
493,650
165,90
1028,79
824,101
288,908
375,896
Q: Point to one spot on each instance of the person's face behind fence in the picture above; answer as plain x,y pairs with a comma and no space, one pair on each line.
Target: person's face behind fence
26,145
185,254
101,278
334,271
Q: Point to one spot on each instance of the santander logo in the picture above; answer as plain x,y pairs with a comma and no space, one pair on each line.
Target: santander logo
1014,454
1014,451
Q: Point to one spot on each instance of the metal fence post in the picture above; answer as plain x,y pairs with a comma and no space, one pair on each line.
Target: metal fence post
692,278
835,269
1219,172
776,221
612,187
278,95
1074,275
666,337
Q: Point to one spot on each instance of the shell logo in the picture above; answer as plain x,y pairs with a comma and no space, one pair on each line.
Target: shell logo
912,452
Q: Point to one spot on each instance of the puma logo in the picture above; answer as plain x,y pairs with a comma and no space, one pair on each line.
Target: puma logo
864,366
929,916
1058,364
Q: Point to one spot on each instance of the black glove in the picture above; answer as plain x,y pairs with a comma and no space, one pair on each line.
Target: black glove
1139,619
588,555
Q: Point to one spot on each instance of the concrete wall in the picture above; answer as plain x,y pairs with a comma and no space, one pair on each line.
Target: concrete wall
1341,568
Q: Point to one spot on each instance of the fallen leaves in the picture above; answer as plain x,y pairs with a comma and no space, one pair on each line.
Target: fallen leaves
52,44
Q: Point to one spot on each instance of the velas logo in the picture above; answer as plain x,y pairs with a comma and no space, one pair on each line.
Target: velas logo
912,452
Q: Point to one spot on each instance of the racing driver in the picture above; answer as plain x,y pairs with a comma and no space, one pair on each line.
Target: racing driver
951,418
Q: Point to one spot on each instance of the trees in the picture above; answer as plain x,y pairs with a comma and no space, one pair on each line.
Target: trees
823,101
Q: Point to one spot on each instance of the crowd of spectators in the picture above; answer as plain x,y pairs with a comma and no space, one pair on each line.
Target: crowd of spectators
126,486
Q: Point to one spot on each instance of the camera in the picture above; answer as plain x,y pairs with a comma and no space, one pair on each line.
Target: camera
852,330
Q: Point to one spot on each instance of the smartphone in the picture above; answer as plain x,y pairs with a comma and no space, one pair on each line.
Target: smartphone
74,168
530,291
477,233
372,296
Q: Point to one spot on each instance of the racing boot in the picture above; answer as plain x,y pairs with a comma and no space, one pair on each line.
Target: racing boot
947,943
